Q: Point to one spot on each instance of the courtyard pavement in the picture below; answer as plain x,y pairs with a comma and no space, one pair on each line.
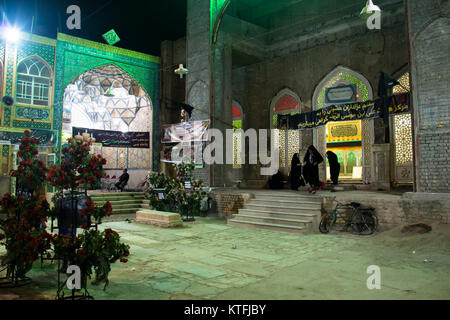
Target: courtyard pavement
197,261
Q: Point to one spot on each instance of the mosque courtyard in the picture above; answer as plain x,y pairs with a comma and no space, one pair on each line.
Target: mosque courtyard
198,262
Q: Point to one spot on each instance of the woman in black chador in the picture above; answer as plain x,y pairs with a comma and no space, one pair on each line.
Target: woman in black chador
311,167
296,172
335,167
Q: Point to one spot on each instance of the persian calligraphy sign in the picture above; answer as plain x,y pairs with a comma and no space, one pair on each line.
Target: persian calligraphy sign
46,138
116,139
344,112
341,94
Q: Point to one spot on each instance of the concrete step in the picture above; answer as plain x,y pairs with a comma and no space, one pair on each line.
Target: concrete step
115,193
288,215
110,198
273,220
119,202
126,211
267,226
289,197
282,208
286,203
126,206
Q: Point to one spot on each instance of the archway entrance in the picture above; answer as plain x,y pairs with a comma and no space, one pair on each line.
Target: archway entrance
350,140
107,98
287,141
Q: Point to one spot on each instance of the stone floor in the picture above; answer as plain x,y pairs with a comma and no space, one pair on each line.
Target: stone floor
197,261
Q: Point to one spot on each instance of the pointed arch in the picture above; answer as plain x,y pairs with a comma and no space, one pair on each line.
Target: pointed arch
109,96
287,141
285,101
74,78
33,81
341,74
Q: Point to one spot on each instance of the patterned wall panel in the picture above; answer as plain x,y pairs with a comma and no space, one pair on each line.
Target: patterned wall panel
110,154
31,125
76,56
10,62
2,50
32,113
139,158
122,157
29,48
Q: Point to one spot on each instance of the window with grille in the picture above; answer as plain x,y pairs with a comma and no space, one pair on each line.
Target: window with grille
33,82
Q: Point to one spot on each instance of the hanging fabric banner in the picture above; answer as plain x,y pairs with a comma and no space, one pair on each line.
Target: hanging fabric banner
47,138
185,131
116,139
344,112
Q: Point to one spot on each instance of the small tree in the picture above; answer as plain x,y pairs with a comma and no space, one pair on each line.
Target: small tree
93,251
24,234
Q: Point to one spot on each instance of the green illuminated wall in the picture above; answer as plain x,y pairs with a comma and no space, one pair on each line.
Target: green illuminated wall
215,7
76,56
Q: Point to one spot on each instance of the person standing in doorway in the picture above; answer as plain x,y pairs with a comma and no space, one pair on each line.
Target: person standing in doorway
335,167
296,172
311,164
123,180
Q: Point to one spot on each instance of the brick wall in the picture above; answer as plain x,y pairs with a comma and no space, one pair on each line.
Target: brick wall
410,208
429,36
228,202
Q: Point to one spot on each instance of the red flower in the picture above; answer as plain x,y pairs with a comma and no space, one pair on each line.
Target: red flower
124,260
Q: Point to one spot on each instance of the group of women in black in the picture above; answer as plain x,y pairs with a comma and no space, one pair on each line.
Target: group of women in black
308,170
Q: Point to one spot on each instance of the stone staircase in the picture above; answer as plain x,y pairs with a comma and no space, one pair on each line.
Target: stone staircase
122,202
279,211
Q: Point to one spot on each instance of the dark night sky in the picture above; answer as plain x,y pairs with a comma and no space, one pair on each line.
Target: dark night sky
140,25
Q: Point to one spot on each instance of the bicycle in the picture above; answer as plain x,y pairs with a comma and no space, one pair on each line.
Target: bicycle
362,219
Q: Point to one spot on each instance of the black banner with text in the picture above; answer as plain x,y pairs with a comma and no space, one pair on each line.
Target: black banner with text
116,139
344,112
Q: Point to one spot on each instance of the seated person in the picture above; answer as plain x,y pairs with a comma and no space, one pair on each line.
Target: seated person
276,182
123,180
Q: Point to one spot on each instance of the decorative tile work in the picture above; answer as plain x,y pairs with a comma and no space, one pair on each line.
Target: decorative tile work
2,51
139,158
32,113
10,56
110,154
122,158
5,150
362,88
28,48
31,125
76,56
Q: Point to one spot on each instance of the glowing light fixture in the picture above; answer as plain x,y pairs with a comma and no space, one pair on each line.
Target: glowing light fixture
11,34
369,9
181,71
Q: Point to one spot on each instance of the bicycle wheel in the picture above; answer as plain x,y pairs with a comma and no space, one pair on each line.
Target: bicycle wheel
325,223
364,223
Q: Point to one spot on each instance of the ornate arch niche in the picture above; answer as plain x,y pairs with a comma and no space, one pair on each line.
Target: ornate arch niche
345,76
401,133
238,119
288,141
108,98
